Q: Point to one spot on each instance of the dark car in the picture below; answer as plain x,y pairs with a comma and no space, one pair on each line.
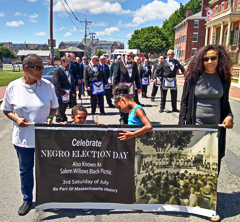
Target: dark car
48,72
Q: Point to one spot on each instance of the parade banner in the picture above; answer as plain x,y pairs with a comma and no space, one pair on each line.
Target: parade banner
172,168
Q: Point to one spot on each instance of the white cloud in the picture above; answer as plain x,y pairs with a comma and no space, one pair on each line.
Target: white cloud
14,23
129,35
101,24
92,6
20,14
2,14
108,31
40,33
32,0
74,29
35,15
68,34
33,20
63,27
152,11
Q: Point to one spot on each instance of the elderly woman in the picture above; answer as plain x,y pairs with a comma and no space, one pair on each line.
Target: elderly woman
28,100
206,91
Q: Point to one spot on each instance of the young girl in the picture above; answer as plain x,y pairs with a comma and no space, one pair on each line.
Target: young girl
137,115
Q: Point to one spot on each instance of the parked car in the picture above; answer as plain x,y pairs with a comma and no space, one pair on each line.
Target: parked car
48,72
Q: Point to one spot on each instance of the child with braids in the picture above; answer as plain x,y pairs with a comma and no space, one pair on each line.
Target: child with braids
137,115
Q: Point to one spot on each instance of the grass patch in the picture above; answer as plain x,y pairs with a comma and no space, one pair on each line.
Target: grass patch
7,76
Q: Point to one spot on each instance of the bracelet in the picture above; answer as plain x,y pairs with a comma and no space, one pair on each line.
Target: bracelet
50,117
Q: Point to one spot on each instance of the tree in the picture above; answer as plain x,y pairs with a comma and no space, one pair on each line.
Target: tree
149,40
5,52
57,55
99,52
164,140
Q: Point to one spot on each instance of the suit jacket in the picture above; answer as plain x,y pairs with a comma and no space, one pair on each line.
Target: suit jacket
91,76
164,70
61,82
74,69
153,76
143,73
106,71
81,67
121,74
112,67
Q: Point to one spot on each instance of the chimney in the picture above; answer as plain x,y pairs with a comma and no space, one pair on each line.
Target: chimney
189,13
203,11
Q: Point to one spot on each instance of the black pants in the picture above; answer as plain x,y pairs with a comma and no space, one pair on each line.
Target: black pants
111,89
173,98
144,90
108,96
136,97
73,101
154,91
94,99
80,90
61,116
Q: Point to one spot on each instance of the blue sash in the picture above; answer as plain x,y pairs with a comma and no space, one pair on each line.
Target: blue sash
145,81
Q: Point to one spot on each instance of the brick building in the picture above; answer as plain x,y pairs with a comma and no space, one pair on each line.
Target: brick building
223,29
190,34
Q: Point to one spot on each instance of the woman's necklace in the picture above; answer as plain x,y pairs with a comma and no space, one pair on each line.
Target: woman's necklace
30,87
210,79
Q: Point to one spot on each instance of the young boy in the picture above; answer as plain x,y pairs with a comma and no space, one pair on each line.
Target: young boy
79,115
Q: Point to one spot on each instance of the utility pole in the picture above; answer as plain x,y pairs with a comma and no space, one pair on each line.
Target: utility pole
92,42
86,23
51,32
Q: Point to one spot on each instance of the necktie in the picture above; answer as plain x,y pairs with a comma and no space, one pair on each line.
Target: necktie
170,60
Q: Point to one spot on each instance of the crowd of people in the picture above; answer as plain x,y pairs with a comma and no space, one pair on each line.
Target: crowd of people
32,99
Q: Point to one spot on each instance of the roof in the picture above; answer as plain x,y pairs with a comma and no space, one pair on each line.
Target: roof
192,17
37,52
71,49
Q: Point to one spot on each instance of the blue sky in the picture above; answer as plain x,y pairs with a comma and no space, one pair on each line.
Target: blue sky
114,20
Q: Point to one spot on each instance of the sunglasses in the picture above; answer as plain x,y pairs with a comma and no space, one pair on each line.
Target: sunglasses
171,54
38,68
129,56
213,58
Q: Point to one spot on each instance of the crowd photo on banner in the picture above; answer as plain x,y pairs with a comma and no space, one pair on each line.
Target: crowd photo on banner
167,173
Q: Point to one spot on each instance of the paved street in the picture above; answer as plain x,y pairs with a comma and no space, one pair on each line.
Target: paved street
228,186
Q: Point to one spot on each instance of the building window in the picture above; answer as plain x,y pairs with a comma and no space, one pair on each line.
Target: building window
216,9
194,51
183,53
232,3
196,23
222,6
236,33
195,36
184,38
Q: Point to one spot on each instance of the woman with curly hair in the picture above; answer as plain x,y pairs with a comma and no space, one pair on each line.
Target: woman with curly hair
205,98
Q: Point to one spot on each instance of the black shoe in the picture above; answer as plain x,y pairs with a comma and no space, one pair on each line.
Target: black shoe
175,110
93,113
122,122
111,106
152,99
24,209
103,114
161,110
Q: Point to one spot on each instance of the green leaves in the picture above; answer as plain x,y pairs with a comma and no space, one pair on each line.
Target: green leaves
5,52
157,40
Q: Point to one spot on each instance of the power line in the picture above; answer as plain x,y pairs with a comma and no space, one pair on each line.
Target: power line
76,10
71,11
82,9
69,16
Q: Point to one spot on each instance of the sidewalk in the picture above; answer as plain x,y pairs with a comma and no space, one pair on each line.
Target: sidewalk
233,94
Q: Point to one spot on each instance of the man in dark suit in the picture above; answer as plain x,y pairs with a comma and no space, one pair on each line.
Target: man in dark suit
107,75
93,73
74,68
82,65
155,87
126,70
144,72
80,76
168,68
63,80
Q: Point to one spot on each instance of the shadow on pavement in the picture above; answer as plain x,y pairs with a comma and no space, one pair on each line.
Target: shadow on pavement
228,204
